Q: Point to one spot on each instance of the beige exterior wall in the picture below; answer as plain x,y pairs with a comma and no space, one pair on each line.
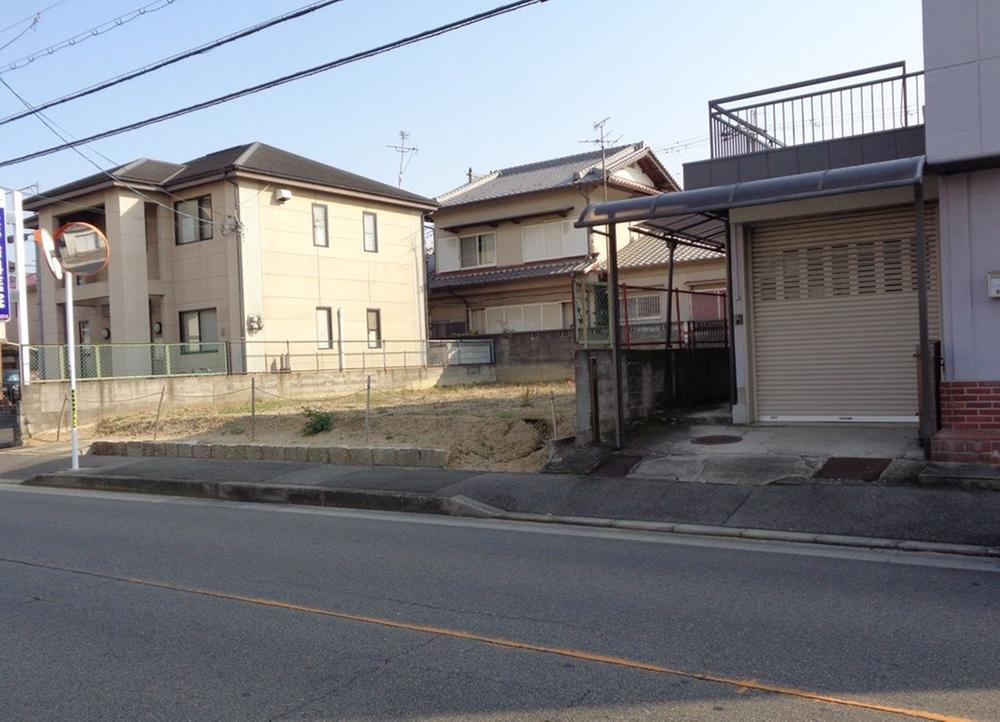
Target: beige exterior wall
690,276
151,278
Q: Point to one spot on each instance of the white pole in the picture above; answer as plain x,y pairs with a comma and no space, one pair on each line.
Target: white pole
340,337
71,353
21,267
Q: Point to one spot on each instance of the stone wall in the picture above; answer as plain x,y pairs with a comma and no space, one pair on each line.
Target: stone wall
43,404
534,356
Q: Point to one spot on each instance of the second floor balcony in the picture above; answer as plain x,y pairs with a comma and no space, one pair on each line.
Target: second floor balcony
859,102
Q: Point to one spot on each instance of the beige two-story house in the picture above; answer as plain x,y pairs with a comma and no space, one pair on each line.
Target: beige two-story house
277,256
506,251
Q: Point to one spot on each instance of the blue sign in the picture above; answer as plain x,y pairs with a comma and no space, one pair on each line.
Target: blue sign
4,282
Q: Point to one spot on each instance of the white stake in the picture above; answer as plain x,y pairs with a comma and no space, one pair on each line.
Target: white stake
71,353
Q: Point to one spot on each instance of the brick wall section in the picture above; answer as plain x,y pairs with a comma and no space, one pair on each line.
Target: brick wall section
970,405
970,420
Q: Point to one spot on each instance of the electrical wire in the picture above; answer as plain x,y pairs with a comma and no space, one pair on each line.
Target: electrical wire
33,17
268,85
20,34
54,129
164,62
100,29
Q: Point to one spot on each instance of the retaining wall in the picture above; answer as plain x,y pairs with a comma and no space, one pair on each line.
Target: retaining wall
43,404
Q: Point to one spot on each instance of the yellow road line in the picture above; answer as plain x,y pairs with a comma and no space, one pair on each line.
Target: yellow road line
582,655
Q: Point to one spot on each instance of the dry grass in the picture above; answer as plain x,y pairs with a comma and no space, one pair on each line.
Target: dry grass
490,427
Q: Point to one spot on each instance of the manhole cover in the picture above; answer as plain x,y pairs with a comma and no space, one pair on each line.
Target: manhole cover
847,467
716,440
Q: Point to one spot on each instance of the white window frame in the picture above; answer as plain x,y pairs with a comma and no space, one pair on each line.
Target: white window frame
479,237
365,215
321,223
324,327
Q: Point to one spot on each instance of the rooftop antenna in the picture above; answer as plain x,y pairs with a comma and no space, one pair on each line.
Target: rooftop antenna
405,153
603,141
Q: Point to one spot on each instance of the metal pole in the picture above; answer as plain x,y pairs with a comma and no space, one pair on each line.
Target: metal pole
616,377
159,408
670,296
731,321
74,441
253,408
340,337
21,260
928,403
552,404
368,408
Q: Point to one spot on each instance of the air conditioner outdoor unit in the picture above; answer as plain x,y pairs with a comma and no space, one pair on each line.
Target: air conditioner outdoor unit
282,194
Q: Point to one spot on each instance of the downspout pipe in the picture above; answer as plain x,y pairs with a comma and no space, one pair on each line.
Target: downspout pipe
239,271
925,353
730,312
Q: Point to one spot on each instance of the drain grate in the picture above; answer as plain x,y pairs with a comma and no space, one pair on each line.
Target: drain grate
716,440
852,467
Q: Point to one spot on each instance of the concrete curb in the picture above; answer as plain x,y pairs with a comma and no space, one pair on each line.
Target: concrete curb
464,506
412,457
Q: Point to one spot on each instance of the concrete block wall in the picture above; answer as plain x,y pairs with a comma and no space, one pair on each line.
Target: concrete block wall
43,405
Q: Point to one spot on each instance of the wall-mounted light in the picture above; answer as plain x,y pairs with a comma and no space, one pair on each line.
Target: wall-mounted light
157,328
106,333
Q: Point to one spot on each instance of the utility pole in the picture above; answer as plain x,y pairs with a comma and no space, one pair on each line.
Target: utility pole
404,151
603,141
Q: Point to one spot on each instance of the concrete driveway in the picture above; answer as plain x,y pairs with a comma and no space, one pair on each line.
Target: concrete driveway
756,455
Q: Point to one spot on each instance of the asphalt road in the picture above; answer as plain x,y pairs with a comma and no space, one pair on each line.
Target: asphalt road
125,607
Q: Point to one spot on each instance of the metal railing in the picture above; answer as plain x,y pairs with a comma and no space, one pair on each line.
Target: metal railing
884,97
49,362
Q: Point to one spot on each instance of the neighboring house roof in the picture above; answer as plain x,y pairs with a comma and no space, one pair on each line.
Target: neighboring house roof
250,157
647,251
501,274
562,173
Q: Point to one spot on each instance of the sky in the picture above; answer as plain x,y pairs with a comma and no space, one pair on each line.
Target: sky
520,88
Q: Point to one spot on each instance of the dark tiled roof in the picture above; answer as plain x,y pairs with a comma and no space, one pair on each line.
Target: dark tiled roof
544,175
253,157
648,251
501,274
143,170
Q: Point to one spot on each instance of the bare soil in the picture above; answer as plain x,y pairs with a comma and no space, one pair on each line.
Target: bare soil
494,427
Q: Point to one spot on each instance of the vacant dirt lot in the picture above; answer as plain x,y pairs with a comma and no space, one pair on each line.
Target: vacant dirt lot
489,427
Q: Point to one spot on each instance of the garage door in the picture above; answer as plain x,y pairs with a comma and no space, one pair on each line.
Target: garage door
835,319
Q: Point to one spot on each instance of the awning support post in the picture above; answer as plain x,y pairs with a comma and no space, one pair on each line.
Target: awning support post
615,333
928,400
731,320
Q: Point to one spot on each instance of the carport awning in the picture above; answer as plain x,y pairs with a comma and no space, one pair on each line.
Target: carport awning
701,212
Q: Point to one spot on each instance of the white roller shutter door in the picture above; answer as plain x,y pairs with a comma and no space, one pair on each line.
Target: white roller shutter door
835,320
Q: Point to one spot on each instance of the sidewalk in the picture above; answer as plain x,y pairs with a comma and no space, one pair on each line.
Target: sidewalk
855,509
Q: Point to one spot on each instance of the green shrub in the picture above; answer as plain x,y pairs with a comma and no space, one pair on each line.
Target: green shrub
316,421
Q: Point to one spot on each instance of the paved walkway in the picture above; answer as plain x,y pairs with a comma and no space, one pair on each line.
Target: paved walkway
954,516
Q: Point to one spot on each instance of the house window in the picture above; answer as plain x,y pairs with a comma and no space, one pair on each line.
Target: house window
320,235
644,308
478,250
324,327
193,220
370,222
374,328
198,328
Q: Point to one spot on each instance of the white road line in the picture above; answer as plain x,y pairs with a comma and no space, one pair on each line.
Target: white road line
825,551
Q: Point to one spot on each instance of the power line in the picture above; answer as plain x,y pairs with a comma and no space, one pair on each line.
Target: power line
33,17
372,52
198,50
20,34
100,29
53,127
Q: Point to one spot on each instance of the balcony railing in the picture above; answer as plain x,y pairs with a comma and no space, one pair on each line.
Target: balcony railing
875,99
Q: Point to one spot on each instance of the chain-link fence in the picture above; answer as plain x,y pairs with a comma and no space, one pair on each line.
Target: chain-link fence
50,362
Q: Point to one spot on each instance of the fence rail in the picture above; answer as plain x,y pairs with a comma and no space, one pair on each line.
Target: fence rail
881,98
49,362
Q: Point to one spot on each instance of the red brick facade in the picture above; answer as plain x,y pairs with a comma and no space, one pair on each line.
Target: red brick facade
970,421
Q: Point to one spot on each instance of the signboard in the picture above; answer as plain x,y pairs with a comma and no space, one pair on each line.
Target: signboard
4,282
